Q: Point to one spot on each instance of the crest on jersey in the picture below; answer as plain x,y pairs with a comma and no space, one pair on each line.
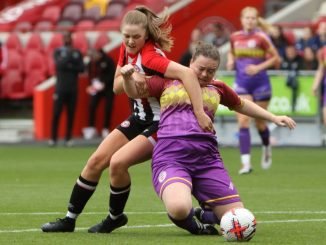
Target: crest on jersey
162,176
125,124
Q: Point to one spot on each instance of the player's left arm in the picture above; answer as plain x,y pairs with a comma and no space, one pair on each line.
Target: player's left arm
230,99
253,110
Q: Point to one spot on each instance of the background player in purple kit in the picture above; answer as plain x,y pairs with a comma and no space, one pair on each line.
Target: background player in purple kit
319,86
186,159
250,55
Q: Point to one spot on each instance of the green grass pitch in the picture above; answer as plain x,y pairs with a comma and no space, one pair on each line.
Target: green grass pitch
35,185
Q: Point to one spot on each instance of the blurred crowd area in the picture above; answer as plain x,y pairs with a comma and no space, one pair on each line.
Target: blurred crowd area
30,53
297,52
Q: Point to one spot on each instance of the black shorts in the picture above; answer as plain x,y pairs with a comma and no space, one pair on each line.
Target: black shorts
133,127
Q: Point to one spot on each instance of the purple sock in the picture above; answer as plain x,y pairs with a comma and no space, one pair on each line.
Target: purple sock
244,141
208,217
188,223
264,135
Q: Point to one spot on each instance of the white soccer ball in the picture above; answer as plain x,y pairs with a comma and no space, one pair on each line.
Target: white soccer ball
238,224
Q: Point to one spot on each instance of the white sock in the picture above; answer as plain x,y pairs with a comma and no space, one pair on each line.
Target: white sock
245,160
71,215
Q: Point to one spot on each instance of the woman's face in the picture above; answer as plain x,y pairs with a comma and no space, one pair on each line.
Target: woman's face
249,20
205,69
134,37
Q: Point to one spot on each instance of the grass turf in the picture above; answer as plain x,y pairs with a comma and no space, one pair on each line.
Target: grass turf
35,184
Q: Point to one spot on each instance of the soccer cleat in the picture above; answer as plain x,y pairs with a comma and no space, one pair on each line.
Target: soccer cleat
199,213
52,143
245,170
60,225
266,158
69,143
108,225
208,229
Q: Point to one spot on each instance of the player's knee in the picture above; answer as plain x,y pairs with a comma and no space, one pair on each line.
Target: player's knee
178,210
97,163
118,165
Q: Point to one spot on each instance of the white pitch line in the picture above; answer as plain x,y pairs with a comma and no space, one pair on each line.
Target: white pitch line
171,225
160,213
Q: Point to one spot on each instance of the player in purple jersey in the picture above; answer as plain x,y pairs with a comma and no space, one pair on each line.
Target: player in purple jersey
250,55
319,86
144,36
186,160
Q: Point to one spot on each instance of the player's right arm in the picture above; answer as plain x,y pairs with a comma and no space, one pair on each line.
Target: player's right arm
318,76
118,81
118,78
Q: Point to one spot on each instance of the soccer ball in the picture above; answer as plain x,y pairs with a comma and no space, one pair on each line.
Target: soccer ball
238,224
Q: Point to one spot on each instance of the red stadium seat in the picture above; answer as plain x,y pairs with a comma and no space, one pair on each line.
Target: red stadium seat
114,10
51,13
12,86
13,42
108,25
35,69
72,12
85,25
44,25
93,13
56,41
15,61
23,26
80,42
34,43
101,40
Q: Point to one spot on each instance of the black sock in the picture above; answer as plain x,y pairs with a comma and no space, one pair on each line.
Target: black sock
190,223
81,193
118,199
264,135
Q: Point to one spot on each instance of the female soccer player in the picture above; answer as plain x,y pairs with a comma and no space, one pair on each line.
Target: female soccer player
186,159
320,81
250,55
145,35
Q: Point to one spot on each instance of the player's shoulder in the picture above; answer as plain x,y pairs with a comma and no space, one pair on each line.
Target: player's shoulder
151,47
218,83
236,34
262,35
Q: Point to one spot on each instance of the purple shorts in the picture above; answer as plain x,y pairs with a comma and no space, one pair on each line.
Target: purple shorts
197,164
259,91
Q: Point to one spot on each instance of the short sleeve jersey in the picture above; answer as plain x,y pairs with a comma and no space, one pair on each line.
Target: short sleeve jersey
150,61
177,117
249,48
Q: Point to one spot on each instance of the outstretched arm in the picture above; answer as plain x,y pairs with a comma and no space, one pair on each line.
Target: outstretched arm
253,110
